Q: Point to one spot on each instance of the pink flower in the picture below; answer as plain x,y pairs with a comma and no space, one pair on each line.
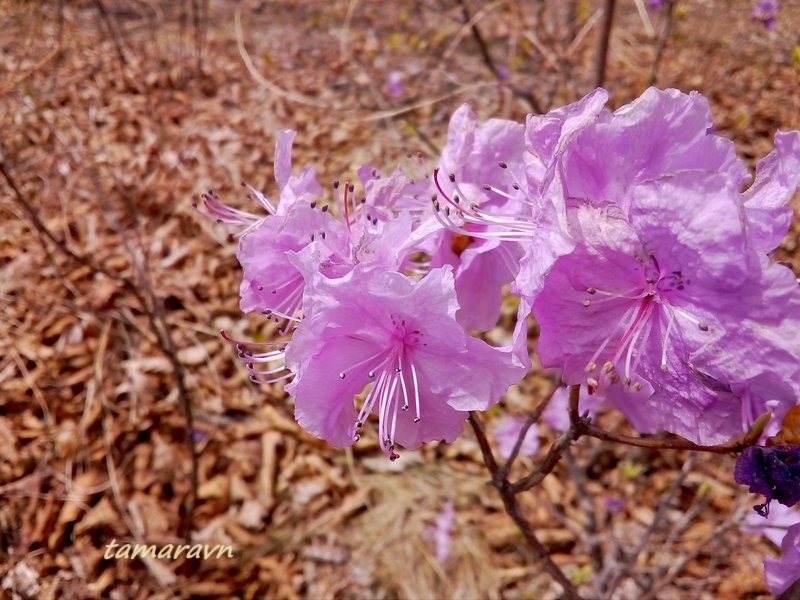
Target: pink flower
476,184
443,531
506,432
401,336
270,282
766,202
292,188
775,525
394,84
662,305
782,573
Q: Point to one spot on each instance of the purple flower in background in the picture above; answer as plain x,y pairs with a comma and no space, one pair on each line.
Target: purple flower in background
782,573
507,430
656,4
394,84
556,414
765,12
615,505
772,472
384,329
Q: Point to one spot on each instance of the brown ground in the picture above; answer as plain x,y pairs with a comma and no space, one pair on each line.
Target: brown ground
112,124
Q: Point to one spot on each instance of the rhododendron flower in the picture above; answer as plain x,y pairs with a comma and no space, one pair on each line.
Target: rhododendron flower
662,272
772,472
507,430
477,182
292,188
270,282
401,336
766,202
782,573
775,525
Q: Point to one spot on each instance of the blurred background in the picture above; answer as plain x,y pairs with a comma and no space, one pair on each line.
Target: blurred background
125,416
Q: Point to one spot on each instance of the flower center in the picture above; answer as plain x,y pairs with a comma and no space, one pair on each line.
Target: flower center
635,326
395,383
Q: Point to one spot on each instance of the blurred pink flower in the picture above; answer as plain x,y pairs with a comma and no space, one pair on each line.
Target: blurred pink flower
506,432
443,531
394,84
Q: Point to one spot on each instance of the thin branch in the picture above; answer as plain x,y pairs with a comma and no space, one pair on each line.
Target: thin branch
577,474
550,460
662,40
673,443
156,320
514,511
663,505
490,64
483,442
529,421
158,323
112,32
603,43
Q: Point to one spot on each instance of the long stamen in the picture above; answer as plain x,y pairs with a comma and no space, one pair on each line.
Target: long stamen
261,198
402,382
343,374
256,379
366,408
640,324
416,392
592,364
666,341
623,343
389,399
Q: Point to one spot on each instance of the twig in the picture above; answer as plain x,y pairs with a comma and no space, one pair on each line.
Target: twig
112,32
663,504
577,474
602,48
550,460
662,40
674,443
156,320
513,509
489,62
158,323
39,224
529,421
578,426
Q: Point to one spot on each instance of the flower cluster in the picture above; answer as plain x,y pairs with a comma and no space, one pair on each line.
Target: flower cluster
635,239
626,234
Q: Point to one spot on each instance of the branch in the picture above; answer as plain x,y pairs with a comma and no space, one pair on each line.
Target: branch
513,509
674,443
662,40
156,320
489,62
602,48
529,421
